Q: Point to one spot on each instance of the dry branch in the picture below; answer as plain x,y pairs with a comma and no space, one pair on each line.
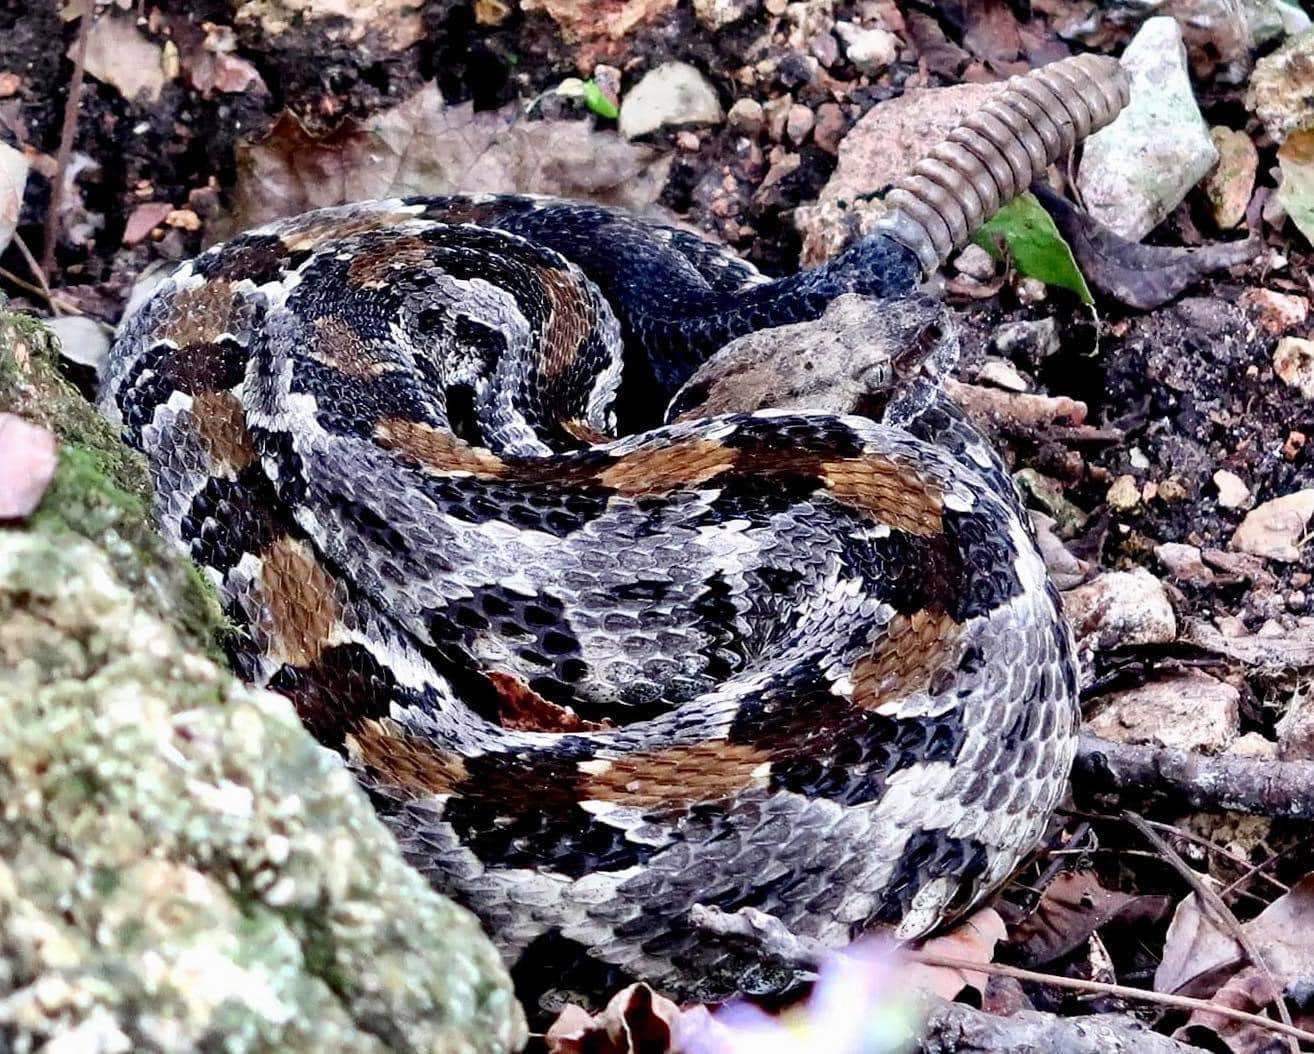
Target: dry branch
1188,781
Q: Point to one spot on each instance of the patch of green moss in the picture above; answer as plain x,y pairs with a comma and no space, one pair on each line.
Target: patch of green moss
101,490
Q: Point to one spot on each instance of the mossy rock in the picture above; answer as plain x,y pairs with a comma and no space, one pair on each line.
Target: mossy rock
182,867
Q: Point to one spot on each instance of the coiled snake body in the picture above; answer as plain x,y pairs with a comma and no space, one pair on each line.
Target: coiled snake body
798,661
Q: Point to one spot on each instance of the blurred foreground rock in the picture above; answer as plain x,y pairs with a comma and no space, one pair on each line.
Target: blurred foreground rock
181,867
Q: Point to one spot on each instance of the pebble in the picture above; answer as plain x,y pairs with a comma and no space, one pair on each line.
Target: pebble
31,456
674,93
1232,489
1271,20
777,116
1185,563
1277,313
870,50
1001,374
1124,494
830,128
1120,608
1296,729
1139,168
1279,91
716,14
975,262
1275,529
1230,184
1191,711
799,123
1031,291
1036,339
1293,362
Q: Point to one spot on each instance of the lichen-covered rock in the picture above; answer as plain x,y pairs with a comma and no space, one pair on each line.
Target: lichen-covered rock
181,866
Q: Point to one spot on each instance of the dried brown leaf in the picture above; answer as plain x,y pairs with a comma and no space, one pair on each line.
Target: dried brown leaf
636,1021
973,940
1072,908
424,146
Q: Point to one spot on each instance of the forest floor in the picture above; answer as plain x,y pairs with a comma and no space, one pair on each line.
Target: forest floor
1191,592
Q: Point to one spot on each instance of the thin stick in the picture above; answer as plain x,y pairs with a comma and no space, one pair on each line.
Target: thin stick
66,136
1221,913
40,275
772,938
36,290
1179,1002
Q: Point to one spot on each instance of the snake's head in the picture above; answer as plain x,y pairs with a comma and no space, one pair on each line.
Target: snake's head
853,359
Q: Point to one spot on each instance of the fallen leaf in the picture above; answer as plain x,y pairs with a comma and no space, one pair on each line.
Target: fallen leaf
1296,158
27,467
144,219
635,1021
13,179
120,55
1023,231
973,940
424,146
1141,276
1072,908
1199,959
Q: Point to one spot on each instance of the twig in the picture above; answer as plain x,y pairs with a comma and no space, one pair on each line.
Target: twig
1257,786
1220,912
66,136
1213,847
773,939
57,305
1122,991
36,290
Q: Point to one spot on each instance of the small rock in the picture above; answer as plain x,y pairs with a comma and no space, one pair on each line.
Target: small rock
716,14
799,123
688,142
1035,340
1230,183
1296,729
1031,291
1279,87
1002,375
1185,563
830,128
1066,570
1232,489
1271,20
1293,362
976,263
1120,608
1139,168
747,116
1276,529
824,48
1191,711
777,116
1253,745
1124,494
880,148
1277,313
28,466
81,339
13,179
870,50
674,93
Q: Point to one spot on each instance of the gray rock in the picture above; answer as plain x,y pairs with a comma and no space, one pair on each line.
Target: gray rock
1192,711
674,93
1120,608
1276,529
181,866
1271,20
870,50
716,14
1139,168
1279,91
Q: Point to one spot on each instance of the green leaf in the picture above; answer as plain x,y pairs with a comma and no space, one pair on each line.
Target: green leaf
1023,231
596,101
1296,156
